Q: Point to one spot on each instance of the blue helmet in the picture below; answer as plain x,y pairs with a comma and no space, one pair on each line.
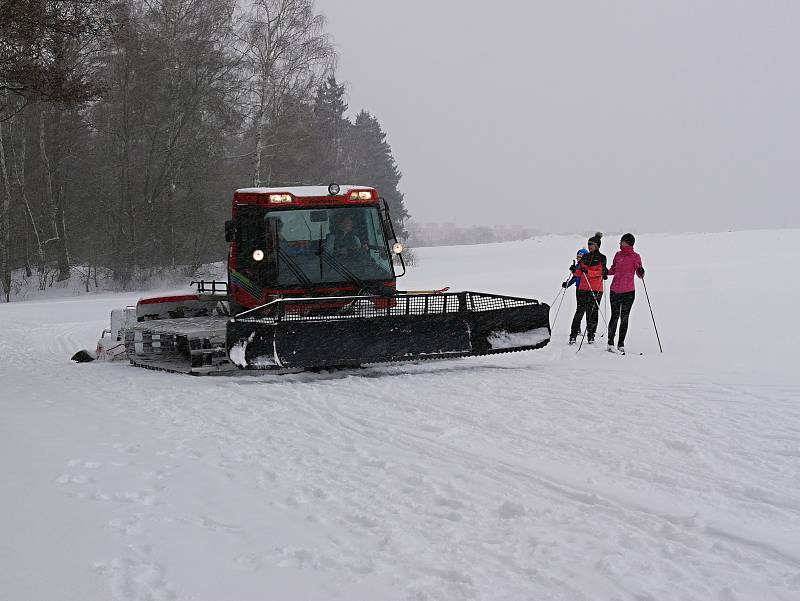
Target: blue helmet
582,252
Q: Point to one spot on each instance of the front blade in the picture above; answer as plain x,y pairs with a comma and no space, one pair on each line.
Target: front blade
402,328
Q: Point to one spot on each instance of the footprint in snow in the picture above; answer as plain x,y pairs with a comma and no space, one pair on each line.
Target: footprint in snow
71,479
679,445
509,510
129,527
136,579
452,503
364,521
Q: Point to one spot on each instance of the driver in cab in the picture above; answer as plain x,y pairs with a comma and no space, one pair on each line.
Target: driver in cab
343,242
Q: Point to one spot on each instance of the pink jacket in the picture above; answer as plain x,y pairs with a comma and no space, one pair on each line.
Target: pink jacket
626,262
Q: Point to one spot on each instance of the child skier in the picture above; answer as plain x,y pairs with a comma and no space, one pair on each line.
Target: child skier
575,279
627,262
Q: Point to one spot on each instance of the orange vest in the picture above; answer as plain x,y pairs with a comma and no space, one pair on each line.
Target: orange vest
592,273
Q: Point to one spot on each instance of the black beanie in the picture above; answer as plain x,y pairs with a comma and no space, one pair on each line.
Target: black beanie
596,239
628,239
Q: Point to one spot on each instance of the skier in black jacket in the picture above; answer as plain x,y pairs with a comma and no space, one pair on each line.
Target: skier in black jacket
591,271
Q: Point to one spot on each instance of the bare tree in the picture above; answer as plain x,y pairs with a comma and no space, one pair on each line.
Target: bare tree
17,187
5,223
44,50
171,76
288,54
54,191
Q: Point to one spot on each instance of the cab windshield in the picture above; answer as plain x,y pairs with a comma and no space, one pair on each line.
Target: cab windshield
302,247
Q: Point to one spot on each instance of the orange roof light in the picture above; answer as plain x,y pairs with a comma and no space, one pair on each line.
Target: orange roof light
280,198
361,195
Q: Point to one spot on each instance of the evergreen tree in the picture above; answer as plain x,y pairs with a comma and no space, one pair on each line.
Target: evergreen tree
289,145
368,160
329,129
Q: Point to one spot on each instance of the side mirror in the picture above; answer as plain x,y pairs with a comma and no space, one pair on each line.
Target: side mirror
230,231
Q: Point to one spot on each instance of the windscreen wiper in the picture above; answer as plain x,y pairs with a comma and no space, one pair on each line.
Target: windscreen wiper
352,278
296,270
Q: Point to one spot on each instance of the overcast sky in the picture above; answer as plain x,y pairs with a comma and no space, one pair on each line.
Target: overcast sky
574,115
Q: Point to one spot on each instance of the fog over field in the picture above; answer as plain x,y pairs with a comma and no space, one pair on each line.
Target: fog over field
623,115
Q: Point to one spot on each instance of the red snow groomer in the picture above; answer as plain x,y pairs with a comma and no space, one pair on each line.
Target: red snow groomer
312,276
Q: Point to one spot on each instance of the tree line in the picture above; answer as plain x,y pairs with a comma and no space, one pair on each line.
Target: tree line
450,234
126,125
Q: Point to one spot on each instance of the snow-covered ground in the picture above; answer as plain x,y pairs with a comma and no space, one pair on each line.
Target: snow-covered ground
536,476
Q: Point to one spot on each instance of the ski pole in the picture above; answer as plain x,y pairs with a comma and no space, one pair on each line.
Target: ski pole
571,275
588,283
563,294
594,298
652,316
581,344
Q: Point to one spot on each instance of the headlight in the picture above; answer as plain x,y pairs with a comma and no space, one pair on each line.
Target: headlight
397,248
258,255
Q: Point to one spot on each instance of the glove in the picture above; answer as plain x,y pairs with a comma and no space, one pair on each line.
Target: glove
564,284
640,272
572,268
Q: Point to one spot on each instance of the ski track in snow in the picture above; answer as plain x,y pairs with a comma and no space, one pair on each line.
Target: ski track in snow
546,475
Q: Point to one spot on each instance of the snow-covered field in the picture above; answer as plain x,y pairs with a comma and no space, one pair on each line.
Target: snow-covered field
535,476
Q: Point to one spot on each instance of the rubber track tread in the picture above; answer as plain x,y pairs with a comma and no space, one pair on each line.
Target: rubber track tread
187,372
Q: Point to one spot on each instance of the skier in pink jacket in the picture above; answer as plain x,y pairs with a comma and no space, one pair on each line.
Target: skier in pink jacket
626,264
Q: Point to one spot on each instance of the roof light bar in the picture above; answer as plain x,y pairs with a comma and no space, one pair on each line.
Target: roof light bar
361,195
280,198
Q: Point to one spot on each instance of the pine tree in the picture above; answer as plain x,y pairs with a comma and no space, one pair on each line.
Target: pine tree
368,160
329,126
289,145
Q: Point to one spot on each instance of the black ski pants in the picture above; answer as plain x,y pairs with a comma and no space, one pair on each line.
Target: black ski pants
588,303
621,303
